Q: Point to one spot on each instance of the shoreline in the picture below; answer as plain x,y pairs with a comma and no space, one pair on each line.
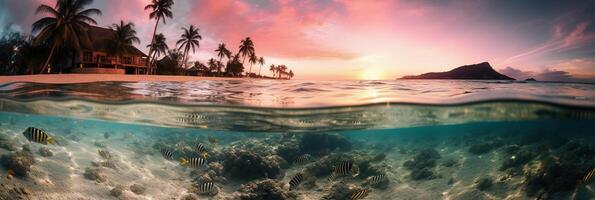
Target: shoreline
87,78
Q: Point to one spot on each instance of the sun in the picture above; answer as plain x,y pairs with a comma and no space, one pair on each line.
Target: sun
371,74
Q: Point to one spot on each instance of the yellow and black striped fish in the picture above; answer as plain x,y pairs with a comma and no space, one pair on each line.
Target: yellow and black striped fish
207,187
589,176
193,162
342,169
296,180
201,149
167,154
376,179
302,159
360,194
37,135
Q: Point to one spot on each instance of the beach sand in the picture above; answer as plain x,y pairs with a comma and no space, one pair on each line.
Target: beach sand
85,78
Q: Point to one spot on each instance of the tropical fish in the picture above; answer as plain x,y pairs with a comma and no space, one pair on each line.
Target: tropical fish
196,116
104,154
206,187
212,140
345,168
589,176
167,154
37,135
201,149
296,180
9,174
360,194
193,162
302,159
376,179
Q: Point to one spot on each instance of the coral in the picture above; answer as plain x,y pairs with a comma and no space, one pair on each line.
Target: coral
137,189
117,191
267,189
20,162
484,183
317,143
421,164
45,152
324,165
515,160
420,174
450,163
549,177
248,165
289,151
94,174
340,191
14,193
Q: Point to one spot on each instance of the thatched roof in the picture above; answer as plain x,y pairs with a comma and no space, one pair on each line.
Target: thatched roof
99,41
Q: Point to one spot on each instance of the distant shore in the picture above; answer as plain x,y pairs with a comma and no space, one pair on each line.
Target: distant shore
85,78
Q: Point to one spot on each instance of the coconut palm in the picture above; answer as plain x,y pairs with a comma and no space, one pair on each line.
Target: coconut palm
160,9
253,60
189,41
273,69
281,70
123,39
65,26
290,74
261,63
246,49
213,65
159,46
222,51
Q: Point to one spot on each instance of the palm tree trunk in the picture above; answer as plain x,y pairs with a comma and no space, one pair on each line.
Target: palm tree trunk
259,70
152,42
250,72
218,67
47,62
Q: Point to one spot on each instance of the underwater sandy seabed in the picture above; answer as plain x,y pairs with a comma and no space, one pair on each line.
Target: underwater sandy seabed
491,160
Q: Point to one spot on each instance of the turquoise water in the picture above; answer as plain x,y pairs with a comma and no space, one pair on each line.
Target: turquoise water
419,140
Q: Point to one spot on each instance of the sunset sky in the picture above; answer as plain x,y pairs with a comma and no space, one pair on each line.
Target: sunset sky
357,39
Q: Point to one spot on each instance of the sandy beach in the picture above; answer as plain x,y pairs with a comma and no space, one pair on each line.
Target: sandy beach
85,78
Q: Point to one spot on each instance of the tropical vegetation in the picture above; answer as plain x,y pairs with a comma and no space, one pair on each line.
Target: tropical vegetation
58,37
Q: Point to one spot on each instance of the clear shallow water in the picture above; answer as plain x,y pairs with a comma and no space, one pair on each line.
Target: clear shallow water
440,139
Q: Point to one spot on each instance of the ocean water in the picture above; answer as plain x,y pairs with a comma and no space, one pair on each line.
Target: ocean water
330,139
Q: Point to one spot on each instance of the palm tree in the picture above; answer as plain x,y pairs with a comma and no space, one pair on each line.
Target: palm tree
246,49
160,9
66,25
281,70
213,65
273,69
291,74
159,46
123,39
253,60
261,63
220,67
189,41
222,51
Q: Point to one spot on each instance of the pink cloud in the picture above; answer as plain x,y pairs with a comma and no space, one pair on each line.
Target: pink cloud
279,29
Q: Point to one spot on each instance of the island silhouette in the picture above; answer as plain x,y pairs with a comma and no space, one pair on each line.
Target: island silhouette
481,71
